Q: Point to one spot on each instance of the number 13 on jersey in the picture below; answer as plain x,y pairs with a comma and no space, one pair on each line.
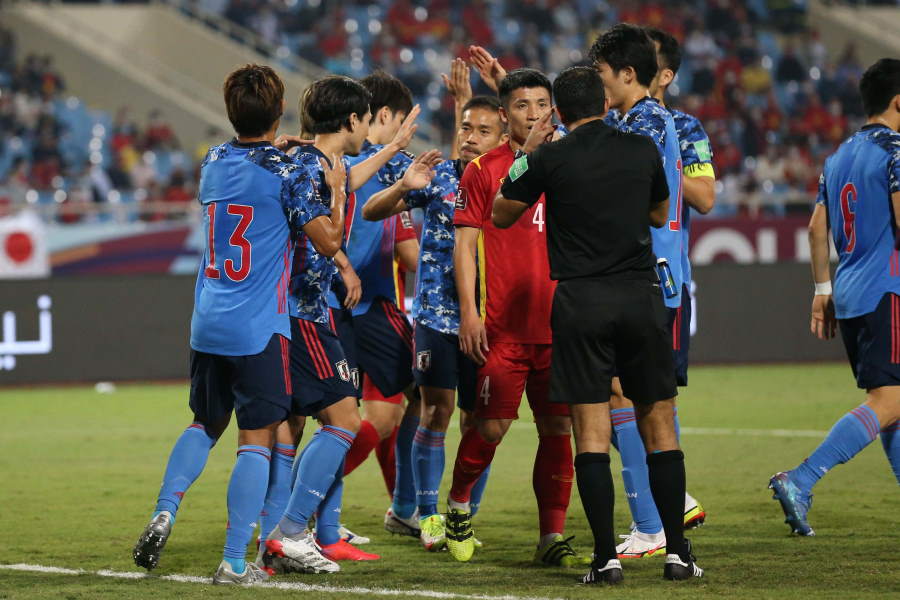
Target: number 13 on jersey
235,271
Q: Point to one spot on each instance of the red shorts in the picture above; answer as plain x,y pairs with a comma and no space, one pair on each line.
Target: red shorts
370,392
510,370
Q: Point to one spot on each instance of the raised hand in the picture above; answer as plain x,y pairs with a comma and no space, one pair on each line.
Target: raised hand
420,173
407,129
458,84
287,142
335,175
489,68
541,132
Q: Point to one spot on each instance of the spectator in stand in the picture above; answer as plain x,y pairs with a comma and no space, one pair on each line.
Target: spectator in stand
158,133
790,69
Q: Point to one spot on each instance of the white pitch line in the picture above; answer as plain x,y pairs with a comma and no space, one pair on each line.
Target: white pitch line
811,433
289,586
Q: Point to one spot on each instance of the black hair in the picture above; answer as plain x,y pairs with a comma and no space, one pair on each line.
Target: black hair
326,105
669,48
522,78
879,84
627,45
488,102
388,91
578,93
253,97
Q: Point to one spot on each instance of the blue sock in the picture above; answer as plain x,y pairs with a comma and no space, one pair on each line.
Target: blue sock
317,470
404,504
296,467
279,488
428,468
890,439
478,491
635,476
186,462
853,432
328,523
246,495
677,426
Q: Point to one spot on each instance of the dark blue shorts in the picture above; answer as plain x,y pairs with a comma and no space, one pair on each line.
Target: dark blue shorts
440,364
320,372
680,324
873,344
256,387
380,342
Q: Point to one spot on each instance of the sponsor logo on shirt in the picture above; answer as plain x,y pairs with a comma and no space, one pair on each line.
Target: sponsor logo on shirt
462,199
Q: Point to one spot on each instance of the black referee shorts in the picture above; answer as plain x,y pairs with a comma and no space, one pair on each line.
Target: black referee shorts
610,327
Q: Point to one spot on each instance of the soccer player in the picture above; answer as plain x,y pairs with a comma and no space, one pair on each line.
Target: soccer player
859,201
440,368
253,196
505,329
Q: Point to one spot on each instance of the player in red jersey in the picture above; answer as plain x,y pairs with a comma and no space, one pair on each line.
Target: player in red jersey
505,328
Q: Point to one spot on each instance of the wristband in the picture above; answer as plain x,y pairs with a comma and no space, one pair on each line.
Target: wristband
823,289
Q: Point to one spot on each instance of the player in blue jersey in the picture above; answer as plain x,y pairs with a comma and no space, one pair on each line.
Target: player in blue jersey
439,367
254,200
859,201
626,60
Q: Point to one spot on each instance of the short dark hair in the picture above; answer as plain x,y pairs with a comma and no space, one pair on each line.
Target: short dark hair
253,99
879,84
488,102
669,48
578,93
326,105
522,78
388,91
627,45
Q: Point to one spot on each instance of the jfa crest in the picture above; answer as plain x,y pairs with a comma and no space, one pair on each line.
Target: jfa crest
343,370
423,360
462,199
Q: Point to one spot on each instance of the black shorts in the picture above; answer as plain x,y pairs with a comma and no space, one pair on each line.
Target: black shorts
439,363
680,323
380,342
873,344
320,373
610,327
256,387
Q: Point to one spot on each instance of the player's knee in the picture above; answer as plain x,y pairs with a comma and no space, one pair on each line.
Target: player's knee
492,430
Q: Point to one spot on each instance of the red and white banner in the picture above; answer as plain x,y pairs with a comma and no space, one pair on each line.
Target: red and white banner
23,247
749,241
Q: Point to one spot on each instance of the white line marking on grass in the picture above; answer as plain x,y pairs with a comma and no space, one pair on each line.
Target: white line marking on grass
811,433
289,586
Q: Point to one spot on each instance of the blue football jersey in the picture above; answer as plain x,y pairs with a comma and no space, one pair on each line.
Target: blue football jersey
856,188
370,244
253,198
647,117
312,272
436,304
695,150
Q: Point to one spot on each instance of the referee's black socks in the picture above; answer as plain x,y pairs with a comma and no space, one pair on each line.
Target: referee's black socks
595,486
668,487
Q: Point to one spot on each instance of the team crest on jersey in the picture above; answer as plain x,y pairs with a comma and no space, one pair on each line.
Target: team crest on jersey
423,360
462,199
343,370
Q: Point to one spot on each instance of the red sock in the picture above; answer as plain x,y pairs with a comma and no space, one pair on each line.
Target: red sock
387,459
365,441
472,458
552,480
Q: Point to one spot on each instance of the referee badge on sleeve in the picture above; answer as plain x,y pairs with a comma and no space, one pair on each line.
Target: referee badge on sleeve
423,360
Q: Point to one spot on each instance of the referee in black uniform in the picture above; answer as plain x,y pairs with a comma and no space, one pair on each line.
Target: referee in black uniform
604,190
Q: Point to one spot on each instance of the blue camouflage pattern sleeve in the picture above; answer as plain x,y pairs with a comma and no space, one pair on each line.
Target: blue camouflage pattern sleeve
822,195
894,165
393,171
648,123
444,176
692,138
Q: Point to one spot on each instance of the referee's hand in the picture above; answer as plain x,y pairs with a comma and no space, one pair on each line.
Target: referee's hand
473,339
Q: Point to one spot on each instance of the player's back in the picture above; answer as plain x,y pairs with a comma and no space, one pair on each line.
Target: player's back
241,292
856,188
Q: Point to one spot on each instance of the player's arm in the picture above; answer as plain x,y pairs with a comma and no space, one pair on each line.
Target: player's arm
407,252
391,200
327,232
364,171
822,323
350,278
699,189
472,335
659,193
489,68
460,87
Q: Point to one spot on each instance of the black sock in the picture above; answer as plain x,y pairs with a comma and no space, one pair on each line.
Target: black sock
595,486
667,484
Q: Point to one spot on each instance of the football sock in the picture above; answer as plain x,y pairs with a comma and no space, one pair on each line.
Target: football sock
677,426
552,481
404,504
890,439
385,451
472,458
328,523
667,481
186,462
246,495
319,463
280,470
595,486
853,432
478,491
365,442
428,463
634,471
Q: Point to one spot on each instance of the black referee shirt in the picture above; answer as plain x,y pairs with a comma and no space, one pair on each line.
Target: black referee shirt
600,184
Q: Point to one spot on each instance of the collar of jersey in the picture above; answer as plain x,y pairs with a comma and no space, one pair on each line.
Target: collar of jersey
873,126
235,142
310,149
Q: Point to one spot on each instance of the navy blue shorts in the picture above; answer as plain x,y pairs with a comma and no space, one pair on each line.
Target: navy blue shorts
873,344
439,363
680,324
256,387
320,372
380,342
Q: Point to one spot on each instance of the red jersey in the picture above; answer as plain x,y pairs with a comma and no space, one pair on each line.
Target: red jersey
515,288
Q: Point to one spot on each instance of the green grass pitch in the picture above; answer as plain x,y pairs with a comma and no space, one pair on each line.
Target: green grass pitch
80,473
